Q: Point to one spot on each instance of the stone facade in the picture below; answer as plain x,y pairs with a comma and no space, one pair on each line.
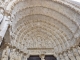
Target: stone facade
39,27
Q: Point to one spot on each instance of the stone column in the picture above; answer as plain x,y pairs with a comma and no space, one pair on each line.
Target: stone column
61,57
78,49
5,53
42,56
76,54
71,56
25,56
21,54
66,55
13,54
58,57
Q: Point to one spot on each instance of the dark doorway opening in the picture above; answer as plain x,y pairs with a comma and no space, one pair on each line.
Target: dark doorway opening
50,57
35,57
47,57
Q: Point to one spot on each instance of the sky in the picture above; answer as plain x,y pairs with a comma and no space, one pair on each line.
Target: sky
77,0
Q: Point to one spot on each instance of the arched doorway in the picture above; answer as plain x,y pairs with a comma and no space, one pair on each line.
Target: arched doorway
50,57
34,57
47,57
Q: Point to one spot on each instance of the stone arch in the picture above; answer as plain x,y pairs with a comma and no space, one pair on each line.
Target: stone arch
20,17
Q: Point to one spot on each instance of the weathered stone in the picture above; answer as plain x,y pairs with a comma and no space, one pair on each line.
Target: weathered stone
40,27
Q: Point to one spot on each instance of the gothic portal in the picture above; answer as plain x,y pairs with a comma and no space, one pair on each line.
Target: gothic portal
39,30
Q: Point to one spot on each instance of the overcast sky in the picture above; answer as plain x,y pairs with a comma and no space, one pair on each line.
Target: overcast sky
77,0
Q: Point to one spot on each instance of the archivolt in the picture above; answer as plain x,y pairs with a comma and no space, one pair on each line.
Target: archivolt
63,26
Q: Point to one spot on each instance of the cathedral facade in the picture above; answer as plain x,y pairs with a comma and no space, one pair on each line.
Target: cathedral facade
39,30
